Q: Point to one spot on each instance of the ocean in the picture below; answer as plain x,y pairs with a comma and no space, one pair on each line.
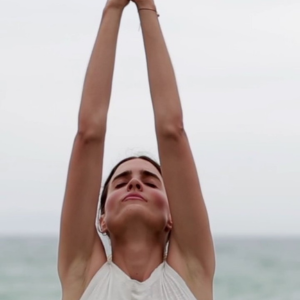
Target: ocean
247,269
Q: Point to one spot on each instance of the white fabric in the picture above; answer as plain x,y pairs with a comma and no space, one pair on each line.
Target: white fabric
111,283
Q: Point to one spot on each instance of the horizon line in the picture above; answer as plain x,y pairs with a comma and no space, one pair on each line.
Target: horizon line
215,236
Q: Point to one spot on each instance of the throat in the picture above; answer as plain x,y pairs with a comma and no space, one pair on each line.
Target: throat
137,260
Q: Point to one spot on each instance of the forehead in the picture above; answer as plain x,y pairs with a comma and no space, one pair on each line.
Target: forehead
136,165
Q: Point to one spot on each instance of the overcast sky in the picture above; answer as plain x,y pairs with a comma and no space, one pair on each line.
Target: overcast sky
238,70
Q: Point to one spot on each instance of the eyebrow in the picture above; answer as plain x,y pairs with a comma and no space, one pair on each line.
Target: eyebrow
144,173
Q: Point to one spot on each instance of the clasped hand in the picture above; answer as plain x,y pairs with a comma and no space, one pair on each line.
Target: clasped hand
123,3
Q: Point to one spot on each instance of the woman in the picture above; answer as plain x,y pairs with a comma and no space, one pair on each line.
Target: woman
143,207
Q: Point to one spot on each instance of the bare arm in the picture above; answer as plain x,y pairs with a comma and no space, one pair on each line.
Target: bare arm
191,237
79,242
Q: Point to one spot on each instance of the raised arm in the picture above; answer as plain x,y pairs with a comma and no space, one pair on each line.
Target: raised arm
191,237
81,252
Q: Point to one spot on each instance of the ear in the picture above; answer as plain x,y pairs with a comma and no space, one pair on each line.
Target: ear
169,225
102,223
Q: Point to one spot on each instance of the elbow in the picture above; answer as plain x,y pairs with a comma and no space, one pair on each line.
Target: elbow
89,131
171,130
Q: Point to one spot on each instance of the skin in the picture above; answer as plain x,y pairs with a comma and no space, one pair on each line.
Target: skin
134,227
138,247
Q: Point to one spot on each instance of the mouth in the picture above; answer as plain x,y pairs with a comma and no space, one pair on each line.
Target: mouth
134,197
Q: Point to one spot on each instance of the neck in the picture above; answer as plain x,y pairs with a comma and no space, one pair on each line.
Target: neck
139,255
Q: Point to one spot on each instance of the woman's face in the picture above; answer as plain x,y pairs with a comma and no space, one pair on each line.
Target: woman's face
136,193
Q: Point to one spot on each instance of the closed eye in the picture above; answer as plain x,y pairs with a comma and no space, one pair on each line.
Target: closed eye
120,185
151,185
124,183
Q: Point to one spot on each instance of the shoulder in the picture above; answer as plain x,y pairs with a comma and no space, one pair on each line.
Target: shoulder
82,288
189,274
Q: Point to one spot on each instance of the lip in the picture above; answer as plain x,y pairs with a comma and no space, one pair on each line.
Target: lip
134,197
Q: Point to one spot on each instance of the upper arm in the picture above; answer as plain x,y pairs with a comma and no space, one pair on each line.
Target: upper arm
191,236
79,241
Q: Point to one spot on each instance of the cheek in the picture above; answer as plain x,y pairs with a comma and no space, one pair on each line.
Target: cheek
160,200
111,202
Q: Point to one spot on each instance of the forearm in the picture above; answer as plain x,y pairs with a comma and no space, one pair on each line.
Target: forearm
162,81
99,75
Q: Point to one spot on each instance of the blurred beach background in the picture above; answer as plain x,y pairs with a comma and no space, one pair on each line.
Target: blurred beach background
237,65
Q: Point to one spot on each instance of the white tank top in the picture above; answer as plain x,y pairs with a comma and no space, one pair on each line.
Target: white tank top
111,283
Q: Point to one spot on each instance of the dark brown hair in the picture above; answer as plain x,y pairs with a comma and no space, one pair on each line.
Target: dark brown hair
106,184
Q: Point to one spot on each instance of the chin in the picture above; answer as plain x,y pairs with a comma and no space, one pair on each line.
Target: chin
141,213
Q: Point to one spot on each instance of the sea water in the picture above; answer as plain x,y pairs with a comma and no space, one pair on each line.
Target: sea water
247,269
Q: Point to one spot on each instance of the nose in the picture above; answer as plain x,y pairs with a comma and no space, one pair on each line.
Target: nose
134,184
